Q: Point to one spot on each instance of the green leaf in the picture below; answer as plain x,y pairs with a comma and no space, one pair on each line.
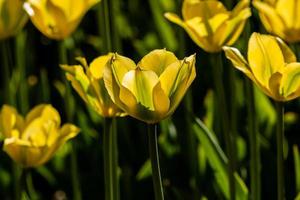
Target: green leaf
145,171
218,161
297,167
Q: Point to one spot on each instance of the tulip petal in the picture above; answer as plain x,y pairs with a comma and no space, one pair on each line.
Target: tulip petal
270,18
202,9
203,42
45,111
185,77
141,84
11,123
287,53
98,64
274,86
264,56
157,60
230,31
290,85
289,11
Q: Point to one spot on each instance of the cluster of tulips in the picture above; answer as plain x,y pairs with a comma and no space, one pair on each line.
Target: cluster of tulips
151,90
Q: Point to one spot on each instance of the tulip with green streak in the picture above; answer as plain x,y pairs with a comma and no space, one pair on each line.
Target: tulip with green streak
33,140
57,19
89,84
210,25
280,17
12,17
151,90
271,65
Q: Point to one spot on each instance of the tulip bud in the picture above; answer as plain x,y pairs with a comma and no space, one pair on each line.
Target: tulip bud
151,90
271,66
32,141
12,17
57,19
210,25
89,84
281,18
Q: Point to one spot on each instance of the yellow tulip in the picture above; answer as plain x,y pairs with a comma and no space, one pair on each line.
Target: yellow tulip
210,25
32,141
12,17
271,66
281,18
151,90
89,84
57,19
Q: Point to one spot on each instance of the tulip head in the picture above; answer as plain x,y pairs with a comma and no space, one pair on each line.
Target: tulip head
12,17
210,25
57,19
281,18
271,66
32,141
151,90
89,84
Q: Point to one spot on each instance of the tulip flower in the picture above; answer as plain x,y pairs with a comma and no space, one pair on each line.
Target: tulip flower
89,84
210,25
281,18
271,66
12,17
32,141
57,19
151,90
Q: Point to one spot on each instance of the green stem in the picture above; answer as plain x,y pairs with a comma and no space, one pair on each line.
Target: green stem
254,145
110,160
70,116
104,26
279,139
20,44
154,156
217,68
6,54
29,183
17,172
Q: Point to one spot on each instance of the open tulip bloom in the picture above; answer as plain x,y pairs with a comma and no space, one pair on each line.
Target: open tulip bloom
210,25
32,141
281,17
89,84
12,17
57,19
271,66
151,90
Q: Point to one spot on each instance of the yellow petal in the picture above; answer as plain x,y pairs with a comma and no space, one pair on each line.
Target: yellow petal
98,64
184,79
270,18
287,53
141,83
289,12
11,123
157,60
203,9
274,86
290,85
264,56
45,112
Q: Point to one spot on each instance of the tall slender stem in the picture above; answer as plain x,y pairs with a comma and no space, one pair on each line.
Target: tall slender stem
110,160
254,145
154,156
104,26
279,139
70,115
217,68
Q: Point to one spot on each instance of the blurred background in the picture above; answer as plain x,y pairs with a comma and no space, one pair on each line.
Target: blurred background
190,158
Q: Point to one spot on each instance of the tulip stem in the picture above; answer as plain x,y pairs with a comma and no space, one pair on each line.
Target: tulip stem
279,140
254,145
154,156
105,29
110,155
217,69
70,115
